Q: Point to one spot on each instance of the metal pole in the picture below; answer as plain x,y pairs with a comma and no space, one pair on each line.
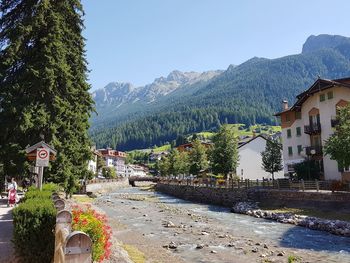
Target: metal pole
40,177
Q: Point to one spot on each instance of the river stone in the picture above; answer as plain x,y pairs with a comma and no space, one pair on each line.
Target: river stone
199,246
172,245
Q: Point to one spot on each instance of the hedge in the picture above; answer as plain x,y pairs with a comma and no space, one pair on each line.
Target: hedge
34,222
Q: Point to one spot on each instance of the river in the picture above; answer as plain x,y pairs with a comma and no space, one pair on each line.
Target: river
195,232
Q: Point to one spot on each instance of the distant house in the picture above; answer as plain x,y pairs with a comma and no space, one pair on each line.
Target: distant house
250,160
135,170
157,156
114,158
188,146
92,164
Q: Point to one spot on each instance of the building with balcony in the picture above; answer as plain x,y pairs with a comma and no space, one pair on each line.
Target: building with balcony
114,159
309,123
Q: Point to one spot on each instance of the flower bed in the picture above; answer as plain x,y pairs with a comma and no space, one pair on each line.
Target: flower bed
95,225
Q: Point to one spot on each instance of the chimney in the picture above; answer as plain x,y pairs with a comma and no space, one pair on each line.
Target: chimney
284,104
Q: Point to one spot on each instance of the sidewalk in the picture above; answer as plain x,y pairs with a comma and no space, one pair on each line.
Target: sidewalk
6,229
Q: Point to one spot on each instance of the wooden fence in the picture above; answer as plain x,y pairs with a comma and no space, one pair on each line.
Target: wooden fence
286,184
70,247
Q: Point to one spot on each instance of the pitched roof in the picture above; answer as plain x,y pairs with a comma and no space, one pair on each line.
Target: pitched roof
41,144
252,139
319,85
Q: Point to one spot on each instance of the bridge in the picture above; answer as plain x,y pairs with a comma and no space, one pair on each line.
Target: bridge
134,179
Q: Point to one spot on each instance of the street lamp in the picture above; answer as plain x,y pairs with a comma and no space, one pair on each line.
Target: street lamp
309,157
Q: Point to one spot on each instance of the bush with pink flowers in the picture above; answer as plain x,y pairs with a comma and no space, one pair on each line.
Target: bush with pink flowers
95,225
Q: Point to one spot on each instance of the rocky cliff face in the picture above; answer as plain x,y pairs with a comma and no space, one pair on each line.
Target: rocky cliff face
314,43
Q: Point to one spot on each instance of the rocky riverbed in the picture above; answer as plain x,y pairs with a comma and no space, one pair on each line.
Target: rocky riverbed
335,227
166,229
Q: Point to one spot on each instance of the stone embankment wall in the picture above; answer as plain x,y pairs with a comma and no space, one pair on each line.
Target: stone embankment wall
215,196
324,200
278,198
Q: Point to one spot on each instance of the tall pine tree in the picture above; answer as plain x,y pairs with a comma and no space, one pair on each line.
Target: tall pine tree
43,85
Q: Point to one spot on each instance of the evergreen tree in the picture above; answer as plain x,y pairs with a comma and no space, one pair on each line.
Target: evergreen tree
198,159
43,87
272,157
224,156
338,145
178,163
164,166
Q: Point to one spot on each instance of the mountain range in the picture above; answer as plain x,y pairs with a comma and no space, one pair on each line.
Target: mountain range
132,117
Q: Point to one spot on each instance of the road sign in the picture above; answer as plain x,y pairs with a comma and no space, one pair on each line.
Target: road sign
42,157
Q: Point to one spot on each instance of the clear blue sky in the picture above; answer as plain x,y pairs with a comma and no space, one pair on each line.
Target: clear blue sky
139,40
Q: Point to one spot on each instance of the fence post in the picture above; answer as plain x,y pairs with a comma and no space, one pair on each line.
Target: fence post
63,225
278,184
59,204
257,182
302,185
317,185
78,248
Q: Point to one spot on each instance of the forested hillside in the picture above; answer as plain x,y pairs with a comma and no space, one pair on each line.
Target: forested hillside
248,93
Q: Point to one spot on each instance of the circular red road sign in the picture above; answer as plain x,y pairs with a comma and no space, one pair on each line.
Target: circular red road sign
43,153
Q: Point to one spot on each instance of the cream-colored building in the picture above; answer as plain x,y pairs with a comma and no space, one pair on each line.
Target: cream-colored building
309,123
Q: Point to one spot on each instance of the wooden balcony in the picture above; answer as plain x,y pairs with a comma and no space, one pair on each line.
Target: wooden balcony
312,129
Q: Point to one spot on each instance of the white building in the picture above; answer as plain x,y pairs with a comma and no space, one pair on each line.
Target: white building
92,164
135,170
250,160
309,123
114,159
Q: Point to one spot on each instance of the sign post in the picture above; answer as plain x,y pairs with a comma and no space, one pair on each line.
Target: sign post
41,153
42,160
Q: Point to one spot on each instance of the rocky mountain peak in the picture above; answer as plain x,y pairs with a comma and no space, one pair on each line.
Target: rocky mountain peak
314,43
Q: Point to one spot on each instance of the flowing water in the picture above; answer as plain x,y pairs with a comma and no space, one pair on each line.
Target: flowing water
310,244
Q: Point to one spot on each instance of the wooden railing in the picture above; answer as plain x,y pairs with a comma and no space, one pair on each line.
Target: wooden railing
69,246
286,184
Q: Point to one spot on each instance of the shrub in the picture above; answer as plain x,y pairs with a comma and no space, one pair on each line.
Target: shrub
34,221
51,187
337,186
95,225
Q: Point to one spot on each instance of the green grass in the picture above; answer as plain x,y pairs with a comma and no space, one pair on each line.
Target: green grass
135,255
206,135
293,259
163,148
83,199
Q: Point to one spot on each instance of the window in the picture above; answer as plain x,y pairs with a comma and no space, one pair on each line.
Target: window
298,131
298,115
287,117
289,133
330,95
290,150
300,149
322,97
